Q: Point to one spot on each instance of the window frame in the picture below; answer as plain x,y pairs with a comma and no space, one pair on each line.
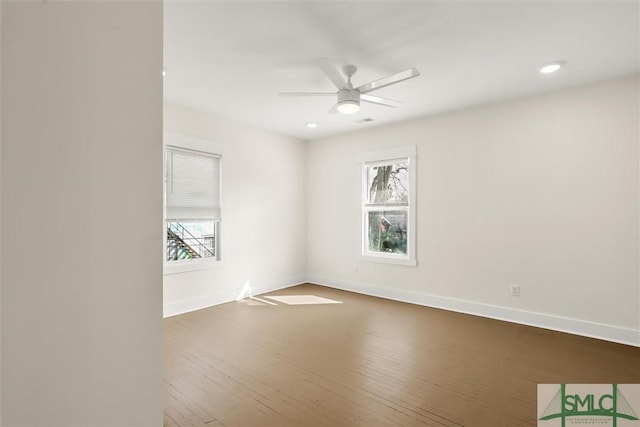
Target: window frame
206,147
385,157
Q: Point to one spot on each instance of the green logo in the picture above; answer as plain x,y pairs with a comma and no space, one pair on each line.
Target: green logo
567,405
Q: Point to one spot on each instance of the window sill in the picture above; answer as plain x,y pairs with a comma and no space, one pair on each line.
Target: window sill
177,267
388,259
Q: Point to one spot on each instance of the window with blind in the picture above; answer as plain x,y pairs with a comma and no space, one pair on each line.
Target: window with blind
192,205
388,206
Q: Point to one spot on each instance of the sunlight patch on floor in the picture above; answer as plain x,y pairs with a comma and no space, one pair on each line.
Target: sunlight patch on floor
248,301
301,299
263,301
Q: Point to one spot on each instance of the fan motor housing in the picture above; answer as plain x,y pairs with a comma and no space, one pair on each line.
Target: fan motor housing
348,95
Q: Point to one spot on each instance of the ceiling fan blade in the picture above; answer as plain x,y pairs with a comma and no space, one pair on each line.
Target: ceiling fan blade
329,68
380,101
307,94
389,80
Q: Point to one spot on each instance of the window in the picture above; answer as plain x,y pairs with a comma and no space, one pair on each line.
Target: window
192,205
388,206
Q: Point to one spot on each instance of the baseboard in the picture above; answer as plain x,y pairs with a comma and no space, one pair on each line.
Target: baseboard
557,323
221,297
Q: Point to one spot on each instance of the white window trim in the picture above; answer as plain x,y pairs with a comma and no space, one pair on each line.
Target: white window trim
383,157
207,147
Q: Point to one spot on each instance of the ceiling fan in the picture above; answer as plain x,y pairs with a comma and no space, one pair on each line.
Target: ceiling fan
349,97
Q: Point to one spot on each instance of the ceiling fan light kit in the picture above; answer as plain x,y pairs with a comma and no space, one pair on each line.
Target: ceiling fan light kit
349,97
348,101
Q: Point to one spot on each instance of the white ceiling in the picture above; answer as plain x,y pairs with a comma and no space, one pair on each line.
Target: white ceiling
231,58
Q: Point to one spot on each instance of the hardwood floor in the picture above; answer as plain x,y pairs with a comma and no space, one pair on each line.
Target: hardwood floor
368,362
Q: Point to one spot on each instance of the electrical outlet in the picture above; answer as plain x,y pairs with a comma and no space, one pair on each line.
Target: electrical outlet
515,290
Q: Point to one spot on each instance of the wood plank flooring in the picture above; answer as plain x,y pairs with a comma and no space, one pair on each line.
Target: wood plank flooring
368,362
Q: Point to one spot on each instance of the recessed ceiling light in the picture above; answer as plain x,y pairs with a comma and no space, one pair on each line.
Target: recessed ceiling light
312,125
164,71
552,67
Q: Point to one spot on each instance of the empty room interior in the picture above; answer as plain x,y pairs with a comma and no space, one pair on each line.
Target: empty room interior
307,213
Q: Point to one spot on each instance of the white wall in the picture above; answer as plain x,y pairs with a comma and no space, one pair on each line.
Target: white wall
542,192
264,213
81,213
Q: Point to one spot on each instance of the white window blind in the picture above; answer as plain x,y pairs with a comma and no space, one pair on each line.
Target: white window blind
193,185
